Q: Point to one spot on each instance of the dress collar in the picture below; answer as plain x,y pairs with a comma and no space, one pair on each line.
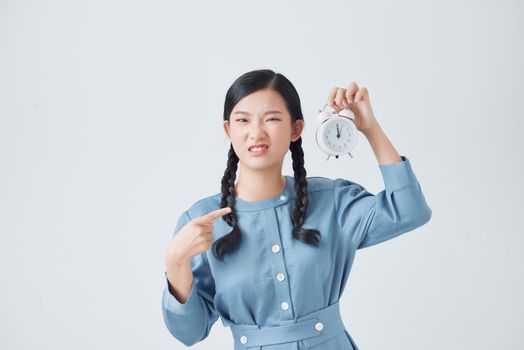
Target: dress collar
280,199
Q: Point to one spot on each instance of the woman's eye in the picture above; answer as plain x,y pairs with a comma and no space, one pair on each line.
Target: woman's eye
243,119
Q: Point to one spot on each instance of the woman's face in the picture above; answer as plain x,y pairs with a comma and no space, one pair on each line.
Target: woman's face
262,118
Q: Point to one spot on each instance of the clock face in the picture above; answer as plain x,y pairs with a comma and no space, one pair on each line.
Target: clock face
339,134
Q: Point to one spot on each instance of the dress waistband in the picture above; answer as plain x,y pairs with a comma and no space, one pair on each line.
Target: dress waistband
312,328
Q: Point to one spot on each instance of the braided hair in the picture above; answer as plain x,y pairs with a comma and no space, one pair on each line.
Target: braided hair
241,87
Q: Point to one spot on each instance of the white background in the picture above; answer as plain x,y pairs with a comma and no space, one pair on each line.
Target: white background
110,126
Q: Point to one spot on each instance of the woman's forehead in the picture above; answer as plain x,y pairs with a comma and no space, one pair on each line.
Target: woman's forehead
261,102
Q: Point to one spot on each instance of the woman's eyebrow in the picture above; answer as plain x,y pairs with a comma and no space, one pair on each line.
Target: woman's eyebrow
266,113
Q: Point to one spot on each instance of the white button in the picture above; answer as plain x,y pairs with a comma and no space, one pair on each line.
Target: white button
319,326
280,276
283,198
275,248
243,339
284,305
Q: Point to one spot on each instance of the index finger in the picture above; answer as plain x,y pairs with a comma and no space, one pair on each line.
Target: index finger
212,215
331,97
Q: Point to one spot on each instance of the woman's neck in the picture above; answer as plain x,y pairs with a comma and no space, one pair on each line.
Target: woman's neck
256,186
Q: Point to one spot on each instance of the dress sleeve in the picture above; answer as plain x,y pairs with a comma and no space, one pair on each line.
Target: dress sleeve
191,321
370,219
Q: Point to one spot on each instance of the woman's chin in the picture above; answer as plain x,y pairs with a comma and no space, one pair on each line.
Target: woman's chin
259,163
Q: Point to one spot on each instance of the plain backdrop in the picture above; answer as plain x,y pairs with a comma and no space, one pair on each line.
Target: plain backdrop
110,127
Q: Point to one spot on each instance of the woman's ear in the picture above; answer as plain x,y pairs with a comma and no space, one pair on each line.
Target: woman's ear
226,128
298,127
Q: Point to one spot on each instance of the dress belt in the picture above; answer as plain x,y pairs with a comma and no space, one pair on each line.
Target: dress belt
312,329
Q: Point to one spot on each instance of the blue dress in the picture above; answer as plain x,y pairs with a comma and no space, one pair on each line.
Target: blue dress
275,292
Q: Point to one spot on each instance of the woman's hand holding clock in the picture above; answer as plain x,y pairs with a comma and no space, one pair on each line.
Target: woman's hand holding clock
357,101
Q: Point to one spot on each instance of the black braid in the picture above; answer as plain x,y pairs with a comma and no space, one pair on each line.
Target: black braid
309,236
232,240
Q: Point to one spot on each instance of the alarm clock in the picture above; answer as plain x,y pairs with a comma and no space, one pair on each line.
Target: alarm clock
336,133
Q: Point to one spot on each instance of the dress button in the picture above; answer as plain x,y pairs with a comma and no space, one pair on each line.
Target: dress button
282,198
243,339
319,326
280,276
275,248
284,305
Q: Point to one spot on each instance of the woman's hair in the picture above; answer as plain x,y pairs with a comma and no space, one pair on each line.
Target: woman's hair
244,85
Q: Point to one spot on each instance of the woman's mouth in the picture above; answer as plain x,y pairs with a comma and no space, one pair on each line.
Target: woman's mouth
257,150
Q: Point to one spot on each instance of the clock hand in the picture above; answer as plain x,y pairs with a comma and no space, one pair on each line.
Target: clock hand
338,132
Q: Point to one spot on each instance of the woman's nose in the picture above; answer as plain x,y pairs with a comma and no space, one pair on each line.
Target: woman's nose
257,130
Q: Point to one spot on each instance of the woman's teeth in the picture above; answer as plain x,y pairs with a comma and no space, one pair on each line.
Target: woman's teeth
256,149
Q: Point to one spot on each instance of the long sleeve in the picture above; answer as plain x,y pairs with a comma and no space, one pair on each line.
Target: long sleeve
370,219
191,322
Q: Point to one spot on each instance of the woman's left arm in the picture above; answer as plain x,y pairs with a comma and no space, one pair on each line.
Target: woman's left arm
370,219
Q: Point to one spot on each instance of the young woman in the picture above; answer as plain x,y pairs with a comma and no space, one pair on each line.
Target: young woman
271,253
